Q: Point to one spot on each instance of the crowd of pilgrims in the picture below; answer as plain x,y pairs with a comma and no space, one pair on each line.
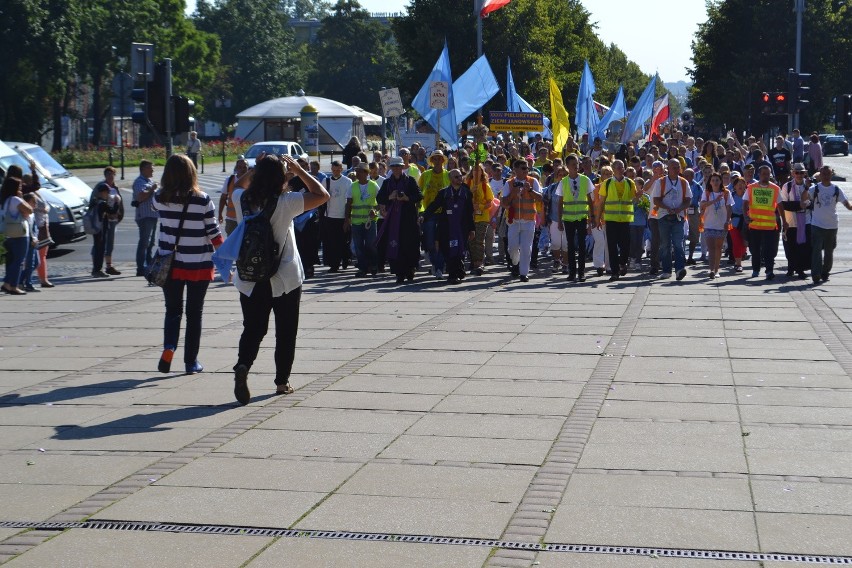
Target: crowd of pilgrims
652,209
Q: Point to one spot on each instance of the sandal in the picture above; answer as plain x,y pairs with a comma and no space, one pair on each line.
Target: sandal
284,389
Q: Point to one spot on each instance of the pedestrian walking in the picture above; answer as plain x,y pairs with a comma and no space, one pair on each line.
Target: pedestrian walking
761,202
715,206
188,231
672,198
822,199
796,223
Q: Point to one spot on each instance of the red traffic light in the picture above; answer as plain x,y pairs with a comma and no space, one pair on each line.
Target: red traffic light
780,98
766,97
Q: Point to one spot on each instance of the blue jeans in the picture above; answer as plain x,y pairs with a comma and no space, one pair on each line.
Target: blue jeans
671,236
30,264
430,228
16,254
147,239
173,292
364,241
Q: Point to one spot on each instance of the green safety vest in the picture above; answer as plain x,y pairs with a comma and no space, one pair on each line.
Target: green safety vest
361,207
619,207
575,209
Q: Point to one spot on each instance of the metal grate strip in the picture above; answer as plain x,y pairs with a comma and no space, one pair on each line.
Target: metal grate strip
430,539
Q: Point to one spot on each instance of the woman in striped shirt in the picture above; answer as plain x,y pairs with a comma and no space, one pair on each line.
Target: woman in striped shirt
192,266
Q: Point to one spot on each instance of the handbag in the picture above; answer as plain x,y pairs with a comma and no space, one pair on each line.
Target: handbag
12,227
160,270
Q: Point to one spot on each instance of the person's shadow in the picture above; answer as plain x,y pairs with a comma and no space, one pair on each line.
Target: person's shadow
139,423
63,394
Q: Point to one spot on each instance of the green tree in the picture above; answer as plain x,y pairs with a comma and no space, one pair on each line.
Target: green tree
306,9
258,53
353,57
745,48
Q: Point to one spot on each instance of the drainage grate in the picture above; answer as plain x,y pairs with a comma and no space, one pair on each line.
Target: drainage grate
427,539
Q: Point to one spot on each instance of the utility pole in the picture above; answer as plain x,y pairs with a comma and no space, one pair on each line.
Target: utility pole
793,119
170,115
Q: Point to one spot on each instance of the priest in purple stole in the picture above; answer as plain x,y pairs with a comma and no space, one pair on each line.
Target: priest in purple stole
400,197
455,224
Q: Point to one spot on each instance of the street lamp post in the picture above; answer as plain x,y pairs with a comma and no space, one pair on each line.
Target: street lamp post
223,103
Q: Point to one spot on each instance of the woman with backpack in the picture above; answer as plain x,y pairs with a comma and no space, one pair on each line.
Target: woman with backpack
188,230
269,194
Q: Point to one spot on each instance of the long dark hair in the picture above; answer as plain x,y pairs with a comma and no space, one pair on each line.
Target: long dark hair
10,188
179,181
267,182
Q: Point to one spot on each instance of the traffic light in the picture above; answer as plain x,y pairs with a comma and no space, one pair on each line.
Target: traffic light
779,103
157,93
139,115
766,104
797,89
843,117
183,114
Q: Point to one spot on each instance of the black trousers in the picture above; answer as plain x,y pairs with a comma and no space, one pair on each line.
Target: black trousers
307,242
798,255
334,247
764,248
256,309
654,225
618,244
575,235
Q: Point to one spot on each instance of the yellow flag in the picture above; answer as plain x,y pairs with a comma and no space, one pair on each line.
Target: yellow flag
558,118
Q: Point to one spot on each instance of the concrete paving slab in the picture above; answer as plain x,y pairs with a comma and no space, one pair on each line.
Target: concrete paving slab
568,372
808,380
669,411
319,553
16,437
263,443
672,393
75,548
373,400
124,439
800,462
796,415
805,534
163,416
340,420
487,426
778,437
508,388
44,468
406,385
465,518
644,526
438,448
803,397
677,347
272,474
693,434
663,457
433,369
50,414
707,493
212,505
802,497
437,482
22,502
534,405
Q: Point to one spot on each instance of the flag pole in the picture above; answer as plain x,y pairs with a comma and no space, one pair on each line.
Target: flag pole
477,9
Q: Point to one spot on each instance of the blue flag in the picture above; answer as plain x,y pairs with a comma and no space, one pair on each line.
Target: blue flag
585,115
516,103
617,111
474,88
640,114
449,125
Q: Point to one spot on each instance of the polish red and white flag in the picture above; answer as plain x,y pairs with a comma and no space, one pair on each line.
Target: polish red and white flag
491,5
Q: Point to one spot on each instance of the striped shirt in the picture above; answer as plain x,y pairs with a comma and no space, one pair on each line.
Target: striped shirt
200,233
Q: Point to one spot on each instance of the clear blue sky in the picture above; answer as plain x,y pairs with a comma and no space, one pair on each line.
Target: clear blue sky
638,28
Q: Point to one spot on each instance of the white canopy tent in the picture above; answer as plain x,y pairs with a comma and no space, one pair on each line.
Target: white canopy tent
278,119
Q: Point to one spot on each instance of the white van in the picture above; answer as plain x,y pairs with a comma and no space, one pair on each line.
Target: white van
66,208
52,169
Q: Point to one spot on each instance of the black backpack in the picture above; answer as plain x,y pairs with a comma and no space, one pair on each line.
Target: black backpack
259,255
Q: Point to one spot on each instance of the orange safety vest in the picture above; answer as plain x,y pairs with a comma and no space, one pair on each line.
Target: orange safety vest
523,209
762,204
684,186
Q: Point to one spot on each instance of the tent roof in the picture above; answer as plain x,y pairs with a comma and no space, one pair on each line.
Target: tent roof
290,107
370,119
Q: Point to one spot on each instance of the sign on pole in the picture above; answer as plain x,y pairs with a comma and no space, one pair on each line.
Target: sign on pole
516,121
439,95
391,102
142,61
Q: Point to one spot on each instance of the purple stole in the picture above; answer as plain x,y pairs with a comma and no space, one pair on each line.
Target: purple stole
393,219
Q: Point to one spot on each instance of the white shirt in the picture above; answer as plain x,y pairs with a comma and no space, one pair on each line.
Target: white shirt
11,207
824,214
290,274
790,216
338,188
716,214
671,192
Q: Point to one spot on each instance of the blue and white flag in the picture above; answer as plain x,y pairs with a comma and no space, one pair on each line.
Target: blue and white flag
640,114
617,111
449,124
516,103
585,114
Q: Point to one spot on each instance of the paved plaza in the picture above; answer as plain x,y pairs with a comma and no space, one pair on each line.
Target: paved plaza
691,416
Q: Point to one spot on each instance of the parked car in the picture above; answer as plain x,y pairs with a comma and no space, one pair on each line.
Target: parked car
66,209
834,144
289,148
50,168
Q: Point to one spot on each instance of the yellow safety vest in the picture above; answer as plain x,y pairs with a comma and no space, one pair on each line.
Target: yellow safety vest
361,207
761,207
575,209
619,207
